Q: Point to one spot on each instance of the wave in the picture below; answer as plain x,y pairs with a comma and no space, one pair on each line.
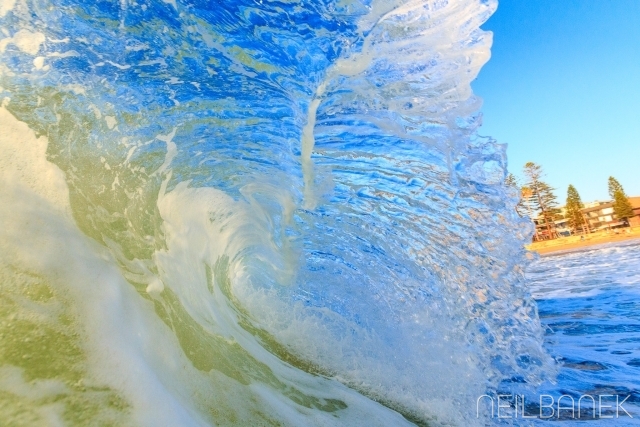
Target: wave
246,213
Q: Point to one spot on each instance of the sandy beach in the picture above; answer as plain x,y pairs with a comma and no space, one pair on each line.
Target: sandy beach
575,242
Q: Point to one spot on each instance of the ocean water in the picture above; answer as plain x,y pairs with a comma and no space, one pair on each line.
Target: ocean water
255,213
589,305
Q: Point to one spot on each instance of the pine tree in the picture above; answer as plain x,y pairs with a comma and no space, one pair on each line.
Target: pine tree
573,208
614,186
621,206
526,205
521,208
542,199
511,180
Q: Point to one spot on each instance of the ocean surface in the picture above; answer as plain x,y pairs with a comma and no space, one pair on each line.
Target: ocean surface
589,306
272,213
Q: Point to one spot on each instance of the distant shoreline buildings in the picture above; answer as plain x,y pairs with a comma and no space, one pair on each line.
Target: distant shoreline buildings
537,197
597,216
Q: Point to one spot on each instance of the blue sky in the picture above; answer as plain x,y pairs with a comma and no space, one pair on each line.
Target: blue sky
562,89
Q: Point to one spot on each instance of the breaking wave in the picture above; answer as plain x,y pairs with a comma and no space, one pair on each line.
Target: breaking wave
254,213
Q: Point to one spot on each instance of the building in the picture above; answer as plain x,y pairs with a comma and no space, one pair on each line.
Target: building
597,215
594,204
542,231
562,227
600,215
635,204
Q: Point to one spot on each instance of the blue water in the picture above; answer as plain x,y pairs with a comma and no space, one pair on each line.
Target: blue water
256,213
589,306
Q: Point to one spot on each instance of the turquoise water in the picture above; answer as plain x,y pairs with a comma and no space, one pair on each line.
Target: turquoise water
255,213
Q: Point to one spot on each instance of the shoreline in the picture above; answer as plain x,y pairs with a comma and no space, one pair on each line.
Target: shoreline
573,243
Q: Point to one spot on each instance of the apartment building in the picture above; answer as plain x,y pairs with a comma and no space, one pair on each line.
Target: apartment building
600,215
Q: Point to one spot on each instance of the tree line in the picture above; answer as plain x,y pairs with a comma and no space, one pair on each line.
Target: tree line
538,198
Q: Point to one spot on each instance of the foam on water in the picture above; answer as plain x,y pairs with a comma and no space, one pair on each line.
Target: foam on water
255,213
588,302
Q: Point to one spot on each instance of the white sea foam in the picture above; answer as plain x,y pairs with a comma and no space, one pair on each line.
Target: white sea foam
25,40
39,236
6,6
23,162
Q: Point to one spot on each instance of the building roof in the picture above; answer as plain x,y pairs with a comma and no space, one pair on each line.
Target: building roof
597,208
594,204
